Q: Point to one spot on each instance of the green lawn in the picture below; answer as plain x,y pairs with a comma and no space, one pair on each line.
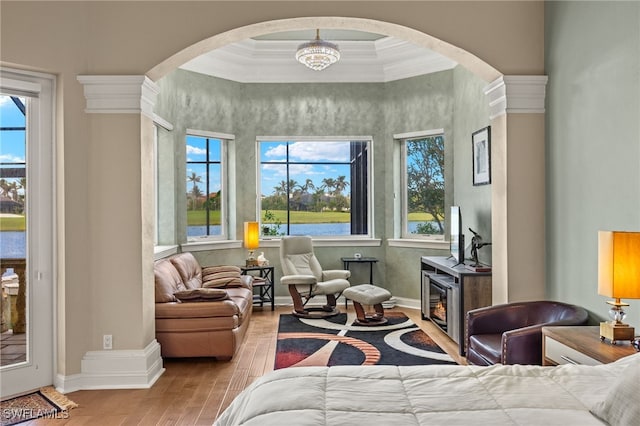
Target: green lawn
12,223
197,217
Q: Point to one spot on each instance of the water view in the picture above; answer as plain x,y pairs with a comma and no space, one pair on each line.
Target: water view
315,229
13,245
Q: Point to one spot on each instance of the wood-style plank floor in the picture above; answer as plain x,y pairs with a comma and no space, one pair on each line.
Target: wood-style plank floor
196,391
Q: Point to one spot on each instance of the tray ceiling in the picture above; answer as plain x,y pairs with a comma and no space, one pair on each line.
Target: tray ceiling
365,57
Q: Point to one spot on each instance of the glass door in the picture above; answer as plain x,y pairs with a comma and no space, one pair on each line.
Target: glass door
26,231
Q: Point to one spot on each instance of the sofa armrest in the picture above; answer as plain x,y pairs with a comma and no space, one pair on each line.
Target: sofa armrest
245,282
523,345
334,274
298,279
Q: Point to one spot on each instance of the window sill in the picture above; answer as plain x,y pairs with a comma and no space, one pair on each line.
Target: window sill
160,252
330,242
211,245
423,244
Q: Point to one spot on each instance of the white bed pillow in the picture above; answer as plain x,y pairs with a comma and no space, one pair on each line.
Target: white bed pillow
620,407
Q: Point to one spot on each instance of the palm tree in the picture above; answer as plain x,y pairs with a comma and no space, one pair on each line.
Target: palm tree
195,191
4,187
328,185
341,184
22,184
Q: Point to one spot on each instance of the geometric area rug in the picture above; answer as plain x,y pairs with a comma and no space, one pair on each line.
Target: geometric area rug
43,403
337,341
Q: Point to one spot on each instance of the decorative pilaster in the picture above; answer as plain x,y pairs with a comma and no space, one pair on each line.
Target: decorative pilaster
119,94
516,94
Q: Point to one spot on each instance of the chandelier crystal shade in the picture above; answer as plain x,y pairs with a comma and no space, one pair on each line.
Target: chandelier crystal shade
318,54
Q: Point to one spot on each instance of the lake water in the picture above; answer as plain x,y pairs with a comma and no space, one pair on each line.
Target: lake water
13,243
318,229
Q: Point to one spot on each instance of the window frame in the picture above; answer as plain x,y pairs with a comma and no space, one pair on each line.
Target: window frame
369,181
402,140
225,140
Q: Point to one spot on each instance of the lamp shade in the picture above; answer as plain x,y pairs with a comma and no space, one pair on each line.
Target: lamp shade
251,235
619,264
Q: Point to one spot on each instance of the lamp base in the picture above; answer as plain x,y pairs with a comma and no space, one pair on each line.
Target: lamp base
251,262
616,331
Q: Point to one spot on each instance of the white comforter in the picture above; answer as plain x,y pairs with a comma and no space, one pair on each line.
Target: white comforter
425,395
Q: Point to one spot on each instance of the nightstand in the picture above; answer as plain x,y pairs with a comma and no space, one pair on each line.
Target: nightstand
263,281
580,345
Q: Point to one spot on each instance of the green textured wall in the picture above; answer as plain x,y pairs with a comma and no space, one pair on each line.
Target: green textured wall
593,141
471,113
191,100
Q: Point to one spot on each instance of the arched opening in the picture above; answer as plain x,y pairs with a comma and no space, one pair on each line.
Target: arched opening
472,63
468,60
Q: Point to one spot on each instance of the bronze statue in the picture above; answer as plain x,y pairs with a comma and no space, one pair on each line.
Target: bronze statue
476,243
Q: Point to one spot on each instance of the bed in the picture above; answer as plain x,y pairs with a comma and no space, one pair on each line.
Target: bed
442,395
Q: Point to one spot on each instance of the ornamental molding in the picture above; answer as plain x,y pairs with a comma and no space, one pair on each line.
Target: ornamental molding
119,94
517,94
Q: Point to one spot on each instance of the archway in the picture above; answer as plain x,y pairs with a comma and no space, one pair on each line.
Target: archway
464,58
516,106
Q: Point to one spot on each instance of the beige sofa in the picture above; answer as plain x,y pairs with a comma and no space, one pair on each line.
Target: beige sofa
200,312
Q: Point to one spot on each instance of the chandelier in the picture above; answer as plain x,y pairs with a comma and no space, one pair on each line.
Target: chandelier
318,54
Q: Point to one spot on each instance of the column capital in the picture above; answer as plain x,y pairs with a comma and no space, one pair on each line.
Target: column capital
518,94
119,94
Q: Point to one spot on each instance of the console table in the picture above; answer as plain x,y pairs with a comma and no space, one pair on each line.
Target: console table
448,291
347,261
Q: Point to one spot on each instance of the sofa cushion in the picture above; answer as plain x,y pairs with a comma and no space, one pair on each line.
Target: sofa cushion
487,346
201,295
168,281
221,276
189,269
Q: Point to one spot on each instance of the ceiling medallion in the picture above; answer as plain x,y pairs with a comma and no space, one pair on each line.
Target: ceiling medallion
318,54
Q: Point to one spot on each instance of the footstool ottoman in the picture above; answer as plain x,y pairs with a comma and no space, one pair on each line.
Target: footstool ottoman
368,294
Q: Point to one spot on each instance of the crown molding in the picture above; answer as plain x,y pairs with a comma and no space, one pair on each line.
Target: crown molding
517,94
273,61
119,94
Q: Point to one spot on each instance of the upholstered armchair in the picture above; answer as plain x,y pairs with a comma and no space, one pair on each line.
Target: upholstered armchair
304,276
512,333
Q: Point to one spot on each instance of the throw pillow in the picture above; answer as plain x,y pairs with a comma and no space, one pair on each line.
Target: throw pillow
201,295
221,276
620,406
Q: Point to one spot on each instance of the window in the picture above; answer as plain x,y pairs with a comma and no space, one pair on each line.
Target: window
314,187
423,186
205,185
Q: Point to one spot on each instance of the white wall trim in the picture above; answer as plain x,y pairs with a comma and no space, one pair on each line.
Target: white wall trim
116,369
418,134
518,94
162,122
119,94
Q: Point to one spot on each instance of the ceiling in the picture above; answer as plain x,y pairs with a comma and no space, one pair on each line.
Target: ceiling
365,58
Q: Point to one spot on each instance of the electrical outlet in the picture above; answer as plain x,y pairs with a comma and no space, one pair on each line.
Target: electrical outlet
107,341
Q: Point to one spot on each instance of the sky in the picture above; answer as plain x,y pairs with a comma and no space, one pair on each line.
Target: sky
314,154
12,146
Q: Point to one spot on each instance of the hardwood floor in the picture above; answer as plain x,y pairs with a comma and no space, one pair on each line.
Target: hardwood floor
195,391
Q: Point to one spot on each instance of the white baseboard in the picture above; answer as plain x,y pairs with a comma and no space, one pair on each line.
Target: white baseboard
115,369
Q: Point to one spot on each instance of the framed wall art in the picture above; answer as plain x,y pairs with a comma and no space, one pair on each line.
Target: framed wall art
481,141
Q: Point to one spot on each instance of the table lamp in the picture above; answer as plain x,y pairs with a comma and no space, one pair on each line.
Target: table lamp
618,277
251,241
